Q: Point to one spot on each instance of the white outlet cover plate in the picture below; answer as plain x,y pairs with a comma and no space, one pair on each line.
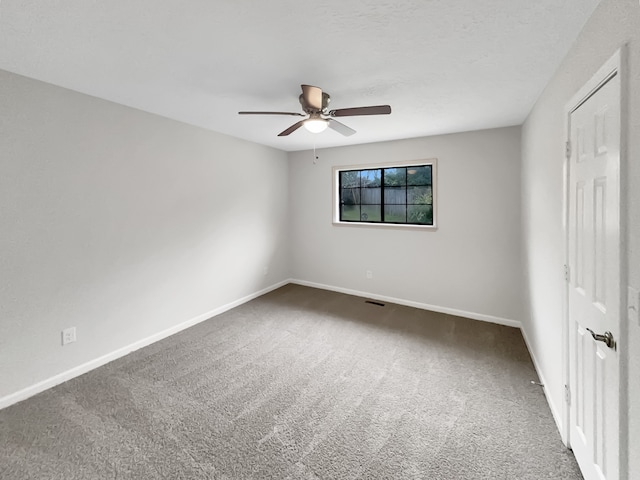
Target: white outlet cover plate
68,335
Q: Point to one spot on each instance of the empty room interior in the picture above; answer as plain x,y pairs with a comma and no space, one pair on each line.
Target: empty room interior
441,283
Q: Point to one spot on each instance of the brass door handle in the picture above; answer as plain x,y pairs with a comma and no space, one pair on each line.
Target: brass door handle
607,338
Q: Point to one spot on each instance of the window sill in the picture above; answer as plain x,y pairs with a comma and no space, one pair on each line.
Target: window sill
399,226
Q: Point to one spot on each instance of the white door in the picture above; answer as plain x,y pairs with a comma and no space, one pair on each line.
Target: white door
593,227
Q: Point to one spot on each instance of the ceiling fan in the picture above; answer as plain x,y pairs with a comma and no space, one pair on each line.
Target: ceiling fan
315,104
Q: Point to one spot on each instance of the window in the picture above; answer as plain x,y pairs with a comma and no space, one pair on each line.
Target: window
401,194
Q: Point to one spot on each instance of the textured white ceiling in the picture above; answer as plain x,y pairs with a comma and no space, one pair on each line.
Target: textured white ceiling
442,65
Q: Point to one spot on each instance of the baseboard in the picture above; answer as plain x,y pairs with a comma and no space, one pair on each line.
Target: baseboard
98,362
409,303
554,410
121,352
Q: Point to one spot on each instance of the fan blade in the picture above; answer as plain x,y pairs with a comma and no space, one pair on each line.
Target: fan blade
291,129
312,97
341,127
272,113
352,112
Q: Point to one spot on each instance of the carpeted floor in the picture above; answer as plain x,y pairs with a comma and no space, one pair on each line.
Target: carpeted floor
299,384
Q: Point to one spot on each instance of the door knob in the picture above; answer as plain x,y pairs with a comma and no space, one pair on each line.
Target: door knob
607,338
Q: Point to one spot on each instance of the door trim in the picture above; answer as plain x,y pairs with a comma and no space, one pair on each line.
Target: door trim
616,65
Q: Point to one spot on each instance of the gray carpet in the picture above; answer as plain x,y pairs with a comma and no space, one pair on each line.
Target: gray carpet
299,384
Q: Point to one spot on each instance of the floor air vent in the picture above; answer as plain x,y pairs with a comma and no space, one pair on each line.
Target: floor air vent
374,303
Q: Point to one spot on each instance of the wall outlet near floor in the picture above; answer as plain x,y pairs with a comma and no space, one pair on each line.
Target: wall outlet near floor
369,274
68,335
265,270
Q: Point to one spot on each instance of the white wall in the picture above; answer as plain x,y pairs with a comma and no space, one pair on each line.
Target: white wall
614,23
123,224
470,264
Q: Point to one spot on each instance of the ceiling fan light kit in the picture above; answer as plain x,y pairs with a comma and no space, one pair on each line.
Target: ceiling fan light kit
315,104
316,125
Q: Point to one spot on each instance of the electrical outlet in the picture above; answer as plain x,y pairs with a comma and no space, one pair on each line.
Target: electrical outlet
265,270
633,305
369,274
68,335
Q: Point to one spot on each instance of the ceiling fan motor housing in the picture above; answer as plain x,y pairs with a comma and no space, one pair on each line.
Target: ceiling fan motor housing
326,98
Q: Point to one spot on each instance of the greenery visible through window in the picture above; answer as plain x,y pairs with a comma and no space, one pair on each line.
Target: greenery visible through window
400,195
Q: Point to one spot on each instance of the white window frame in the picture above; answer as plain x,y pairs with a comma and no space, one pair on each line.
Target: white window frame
414,163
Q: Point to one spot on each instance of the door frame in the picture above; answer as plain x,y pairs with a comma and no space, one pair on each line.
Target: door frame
616,65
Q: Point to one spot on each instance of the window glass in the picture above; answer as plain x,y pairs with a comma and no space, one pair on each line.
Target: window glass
390,195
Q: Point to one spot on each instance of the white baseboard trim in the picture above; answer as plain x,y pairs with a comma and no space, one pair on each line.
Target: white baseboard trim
554,410
121,352
409,303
